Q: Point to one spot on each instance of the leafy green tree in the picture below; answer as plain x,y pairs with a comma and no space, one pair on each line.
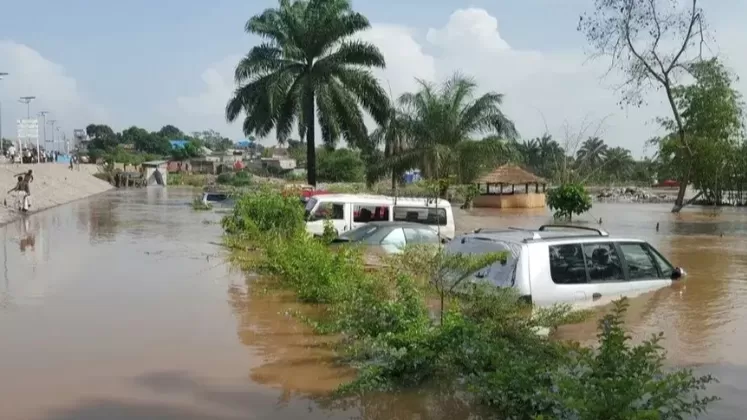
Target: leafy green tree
213,140
169,132
308,63
440,120
568,199
711,115
341,165
6,143
649,40
189,150
145,142
102,138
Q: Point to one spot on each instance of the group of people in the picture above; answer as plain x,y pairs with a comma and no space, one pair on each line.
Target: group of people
31,155
23,189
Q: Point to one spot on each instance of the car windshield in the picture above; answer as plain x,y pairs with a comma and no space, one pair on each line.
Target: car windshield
500,273
359,234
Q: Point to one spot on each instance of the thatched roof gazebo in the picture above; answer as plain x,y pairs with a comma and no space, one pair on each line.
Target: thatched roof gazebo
494,194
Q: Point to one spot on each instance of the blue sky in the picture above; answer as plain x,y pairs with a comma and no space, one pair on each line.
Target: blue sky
167,61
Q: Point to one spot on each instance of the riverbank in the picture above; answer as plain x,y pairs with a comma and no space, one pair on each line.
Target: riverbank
54,184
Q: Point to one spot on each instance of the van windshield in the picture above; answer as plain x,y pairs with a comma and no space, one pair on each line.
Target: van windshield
499,274
309,207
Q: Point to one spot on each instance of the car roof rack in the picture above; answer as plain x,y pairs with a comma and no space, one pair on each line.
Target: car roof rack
600,232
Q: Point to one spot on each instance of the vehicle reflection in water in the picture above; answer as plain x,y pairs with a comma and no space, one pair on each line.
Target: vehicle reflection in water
116,307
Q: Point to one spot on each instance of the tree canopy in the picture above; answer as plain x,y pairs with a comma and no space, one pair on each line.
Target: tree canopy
307,67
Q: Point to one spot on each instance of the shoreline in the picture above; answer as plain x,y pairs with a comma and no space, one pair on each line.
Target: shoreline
54,185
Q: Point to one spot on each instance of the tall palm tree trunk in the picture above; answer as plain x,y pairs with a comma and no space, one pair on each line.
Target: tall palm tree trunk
310,139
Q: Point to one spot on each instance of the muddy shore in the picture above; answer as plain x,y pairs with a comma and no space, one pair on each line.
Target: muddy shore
54,184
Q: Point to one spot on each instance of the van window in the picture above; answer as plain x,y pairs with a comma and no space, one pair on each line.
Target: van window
332,211
641,265
567,264
603,263
370,213
426,215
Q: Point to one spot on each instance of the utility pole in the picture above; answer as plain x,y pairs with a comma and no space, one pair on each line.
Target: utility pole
2,74
43,114
52,123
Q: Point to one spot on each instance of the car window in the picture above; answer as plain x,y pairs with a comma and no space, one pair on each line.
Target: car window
603,263
665,266
426,215
395,240
421,236
567,264
641,265
332,211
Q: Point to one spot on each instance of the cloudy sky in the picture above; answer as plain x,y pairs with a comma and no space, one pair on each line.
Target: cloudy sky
151,63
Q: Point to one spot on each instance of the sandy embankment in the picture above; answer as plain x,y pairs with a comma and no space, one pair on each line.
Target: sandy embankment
54,184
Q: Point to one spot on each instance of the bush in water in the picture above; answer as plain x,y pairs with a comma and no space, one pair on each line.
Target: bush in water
485,343
265,212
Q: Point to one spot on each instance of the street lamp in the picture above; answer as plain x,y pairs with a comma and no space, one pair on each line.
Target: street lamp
2,74
27,100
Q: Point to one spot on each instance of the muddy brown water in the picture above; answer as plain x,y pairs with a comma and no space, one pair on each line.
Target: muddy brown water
122,307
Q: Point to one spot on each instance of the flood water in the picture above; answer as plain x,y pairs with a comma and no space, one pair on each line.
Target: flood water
122,307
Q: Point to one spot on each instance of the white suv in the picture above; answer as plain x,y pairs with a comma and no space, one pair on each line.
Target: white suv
568,264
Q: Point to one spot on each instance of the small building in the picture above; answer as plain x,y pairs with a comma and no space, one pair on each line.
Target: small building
279,163
156,172
510,186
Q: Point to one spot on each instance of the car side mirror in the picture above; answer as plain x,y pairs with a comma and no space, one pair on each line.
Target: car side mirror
677,273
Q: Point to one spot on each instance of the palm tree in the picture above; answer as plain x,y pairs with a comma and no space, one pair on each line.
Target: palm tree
592,152
440,120
392,134
307,67
619,163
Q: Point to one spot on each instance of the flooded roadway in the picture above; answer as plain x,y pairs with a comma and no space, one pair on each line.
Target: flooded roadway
121,307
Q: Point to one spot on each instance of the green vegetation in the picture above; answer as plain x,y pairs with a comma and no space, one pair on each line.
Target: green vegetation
235,179
568,199
481,345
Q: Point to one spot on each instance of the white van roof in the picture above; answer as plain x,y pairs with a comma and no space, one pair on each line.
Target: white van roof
378,199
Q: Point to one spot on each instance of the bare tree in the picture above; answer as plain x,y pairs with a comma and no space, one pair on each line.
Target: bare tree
650,41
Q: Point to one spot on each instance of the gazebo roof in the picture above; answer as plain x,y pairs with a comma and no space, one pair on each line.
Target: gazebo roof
510,174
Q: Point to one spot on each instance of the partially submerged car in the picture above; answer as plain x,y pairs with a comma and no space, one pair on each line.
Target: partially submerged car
568,264
390,237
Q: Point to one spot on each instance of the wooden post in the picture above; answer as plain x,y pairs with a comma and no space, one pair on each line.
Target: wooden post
526,188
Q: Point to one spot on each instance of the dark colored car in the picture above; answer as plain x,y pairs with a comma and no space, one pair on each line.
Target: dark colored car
391,237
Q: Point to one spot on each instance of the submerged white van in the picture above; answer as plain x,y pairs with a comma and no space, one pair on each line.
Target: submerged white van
581,266
348,211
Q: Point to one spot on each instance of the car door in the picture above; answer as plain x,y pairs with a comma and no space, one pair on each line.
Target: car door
643,269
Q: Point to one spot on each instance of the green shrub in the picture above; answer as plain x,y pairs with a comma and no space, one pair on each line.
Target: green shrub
236,179
264,211
568,199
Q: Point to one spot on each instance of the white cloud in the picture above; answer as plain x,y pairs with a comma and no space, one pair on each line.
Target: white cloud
544,90
30,74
